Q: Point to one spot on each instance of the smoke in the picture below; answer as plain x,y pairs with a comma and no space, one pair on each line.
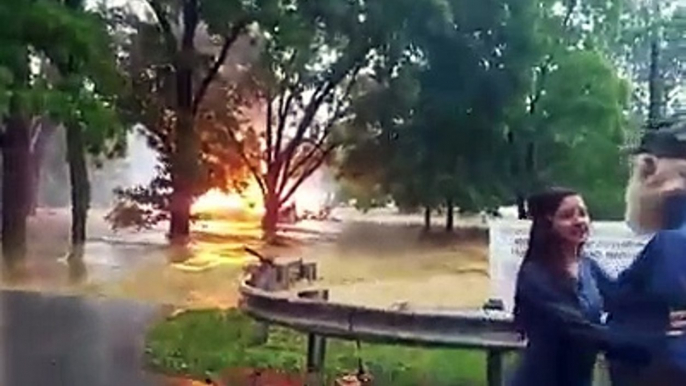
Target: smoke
317,191
137,167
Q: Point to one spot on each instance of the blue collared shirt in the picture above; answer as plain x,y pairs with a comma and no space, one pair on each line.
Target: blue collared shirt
655,284
562,324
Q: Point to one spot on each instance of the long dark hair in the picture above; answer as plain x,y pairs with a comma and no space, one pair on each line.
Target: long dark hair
544,244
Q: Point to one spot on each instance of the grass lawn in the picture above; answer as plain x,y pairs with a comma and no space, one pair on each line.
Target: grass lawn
207,343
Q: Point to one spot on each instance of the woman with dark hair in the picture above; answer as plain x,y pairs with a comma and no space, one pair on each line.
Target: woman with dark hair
558,305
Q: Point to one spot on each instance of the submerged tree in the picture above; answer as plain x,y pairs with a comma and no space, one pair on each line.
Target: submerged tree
437,139
280,118
304,88
89,90
173,62
45,30
179,24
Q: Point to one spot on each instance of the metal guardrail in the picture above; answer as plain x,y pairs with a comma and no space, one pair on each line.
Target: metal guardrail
491,331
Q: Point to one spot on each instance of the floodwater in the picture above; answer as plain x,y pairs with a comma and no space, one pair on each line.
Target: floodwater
378,260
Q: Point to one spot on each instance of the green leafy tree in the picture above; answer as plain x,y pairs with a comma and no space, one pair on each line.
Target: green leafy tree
283,119
583,128
88,98
43,30
582,35
226,20
440,149
650,47
175,58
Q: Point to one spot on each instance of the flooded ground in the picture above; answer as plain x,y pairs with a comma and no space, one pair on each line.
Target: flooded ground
379,259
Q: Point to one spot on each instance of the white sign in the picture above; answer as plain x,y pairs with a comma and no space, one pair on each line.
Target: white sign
612,244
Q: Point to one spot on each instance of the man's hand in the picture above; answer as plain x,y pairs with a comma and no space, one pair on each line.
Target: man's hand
677,323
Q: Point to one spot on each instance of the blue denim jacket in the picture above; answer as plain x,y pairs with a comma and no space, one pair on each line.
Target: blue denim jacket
561,322
655,284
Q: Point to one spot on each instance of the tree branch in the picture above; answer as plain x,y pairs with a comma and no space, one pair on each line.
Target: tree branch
270,127
284,110
318,145
231,138
229,40
167,32
338,113
321,92
306,175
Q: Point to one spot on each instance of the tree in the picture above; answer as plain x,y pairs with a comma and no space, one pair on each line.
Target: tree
88,88
37,29
225,19
583,33
439,150
282,119
314,60
651,49
582,117
154,103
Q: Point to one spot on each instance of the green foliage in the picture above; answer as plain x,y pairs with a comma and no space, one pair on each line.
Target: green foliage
311,57
643,22
77,79
539,102
582,130
441,141
204,343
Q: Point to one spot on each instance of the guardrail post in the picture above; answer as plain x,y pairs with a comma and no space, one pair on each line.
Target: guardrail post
494,370
316,346
494,359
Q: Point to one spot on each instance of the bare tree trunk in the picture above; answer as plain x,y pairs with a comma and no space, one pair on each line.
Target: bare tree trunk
80,185
521,207
41,134
655,84
450,215
34,185
182,181
184,160
15,181
427,219
270,219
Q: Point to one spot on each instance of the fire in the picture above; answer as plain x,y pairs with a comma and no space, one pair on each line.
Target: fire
310,197
216,202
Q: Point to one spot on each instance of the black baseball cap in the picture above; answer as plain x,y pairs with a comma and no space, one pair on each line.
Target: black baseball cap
665,139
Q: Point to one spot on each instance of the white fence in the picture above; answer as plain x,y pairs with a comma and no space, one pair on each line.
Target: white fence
612,244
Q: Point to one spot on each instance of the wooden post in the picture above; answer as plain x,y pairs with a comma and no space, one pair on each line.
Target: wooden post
308,271
264,277
316,346
494,370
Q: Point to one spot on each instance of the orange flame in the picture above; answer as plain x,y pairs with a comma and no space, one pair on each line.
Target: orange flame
216,202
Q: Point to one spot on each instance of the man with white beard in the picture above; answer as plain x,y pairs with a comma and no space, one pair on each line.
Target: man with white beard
648,299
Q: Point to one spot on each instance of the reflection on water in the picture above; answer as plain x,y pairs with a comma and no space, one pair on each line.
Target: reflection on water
140,265
378,263
218,243
78,272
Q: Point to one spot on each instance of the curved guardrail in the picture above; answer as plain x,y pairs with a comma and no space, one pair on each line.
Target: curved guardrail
491,331
460,328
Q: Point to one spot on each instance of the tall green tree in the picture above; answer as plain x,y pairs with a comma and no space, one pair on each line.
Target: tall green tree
580,34
650,47
180,23
30,30
441,149
89,90
283,117
582,121
218,43
315,60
